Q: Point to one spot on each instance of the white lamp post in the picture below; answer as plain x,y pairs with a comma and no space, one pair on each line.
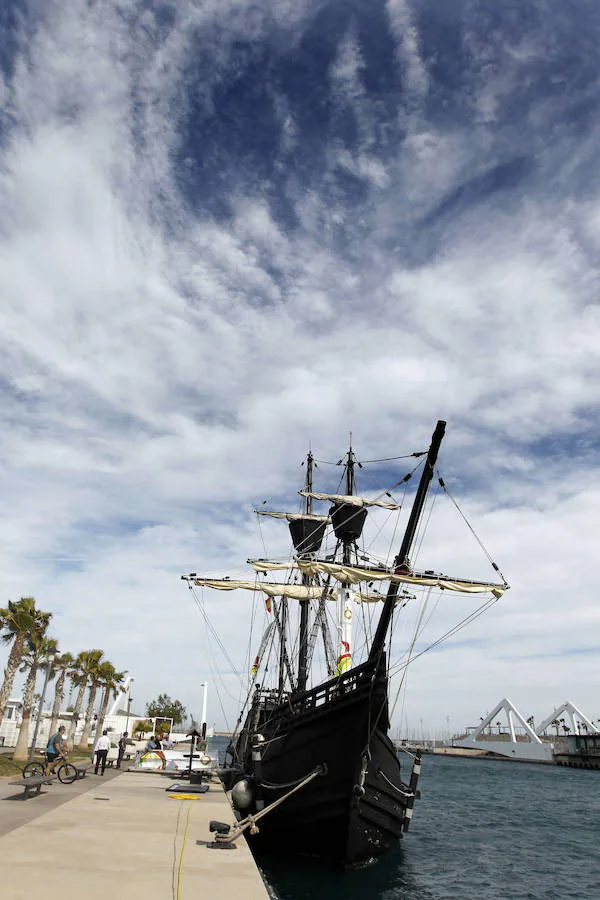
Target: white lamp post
49,662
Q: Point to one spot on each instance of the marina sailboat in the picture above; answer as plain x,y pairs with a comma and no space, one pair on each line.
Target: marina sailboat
312,767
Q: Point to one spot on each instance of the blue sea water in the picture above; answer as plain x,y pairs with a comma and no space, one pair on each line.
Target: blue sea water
483,829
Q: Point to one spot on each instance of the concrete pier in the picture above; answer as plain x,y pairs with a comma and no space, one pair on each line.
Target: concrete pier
126,839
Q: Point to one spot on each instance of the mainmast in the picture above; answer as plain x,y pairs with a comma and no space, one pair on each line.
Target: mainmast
305,604
409,535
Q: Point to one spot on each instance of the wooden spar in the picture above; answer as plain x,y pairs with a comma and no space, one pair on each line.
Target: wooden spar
409,535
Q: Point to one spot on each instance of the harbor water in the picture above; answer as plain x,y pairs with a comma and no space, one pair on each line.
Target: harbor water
483,829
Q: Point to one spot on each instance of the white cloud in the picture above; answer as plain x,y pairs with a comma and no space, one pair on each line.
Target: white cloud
165,369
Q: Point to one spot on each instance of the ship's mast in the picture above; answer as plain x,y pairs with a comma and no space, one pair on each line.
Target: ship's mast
283,609
409,535
346,605
305,604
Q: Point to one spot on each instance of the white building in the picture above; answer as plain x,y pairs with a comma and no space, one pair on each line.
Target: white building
9,727
116,722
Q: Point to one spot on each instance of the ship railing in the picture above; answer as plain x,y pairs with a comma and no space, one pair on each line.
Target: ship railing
349,682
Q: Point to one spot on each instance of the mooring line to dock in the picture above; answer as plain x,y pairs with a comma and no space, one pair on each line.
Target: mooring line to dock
176,884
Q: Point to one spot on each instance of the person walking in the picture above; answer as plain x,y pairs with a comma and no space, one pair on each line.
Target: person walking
101,750
122,748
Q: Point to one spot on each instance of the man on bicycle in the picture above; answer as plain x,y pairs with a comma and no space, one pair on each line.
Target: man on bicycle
56,749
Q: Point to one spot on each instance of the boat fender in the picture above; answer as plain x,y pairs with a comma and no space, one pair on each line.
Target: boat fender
242,794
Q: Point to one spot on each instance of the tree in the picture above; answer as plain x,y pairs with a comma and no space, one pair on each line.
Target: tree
62,664
17,621
39,648
164,707
94,674
111,682
143,726
85,664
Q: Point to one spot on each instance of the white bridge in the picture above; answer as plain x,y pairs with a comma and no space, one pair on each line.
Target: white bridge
521,741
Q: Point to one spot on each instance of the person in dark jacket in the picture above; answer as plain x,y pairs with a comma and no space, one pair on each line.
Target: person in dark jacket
122,748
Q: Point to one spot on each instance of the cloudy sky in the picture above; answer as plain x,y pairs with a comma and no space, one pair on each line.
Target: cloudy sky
229,230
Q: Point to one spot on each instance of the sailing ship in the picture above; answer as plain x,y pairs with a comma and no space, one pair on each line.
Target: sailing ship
315,763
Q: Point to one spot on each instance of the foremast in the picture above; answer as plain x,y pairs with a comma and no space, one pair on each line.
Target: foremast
401,563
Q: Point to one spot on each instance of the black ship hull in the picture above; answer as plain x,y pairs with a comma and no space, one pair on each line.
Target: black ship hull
353,812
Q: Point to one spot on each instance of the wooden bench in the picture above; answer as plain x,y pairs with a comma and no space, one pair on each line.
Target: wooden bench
33,784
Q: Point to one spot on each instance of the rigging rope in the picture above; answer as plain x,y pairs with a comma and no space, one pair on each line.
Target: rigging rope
418,629
442,484
324,462
214,633
212,661
448,634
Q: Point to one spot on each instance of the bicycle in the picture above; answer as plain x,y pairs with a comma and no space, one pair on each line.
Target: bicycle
66,771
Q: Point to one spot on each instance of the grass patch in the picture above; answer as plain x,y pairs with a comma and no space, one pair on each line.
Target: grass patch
9,766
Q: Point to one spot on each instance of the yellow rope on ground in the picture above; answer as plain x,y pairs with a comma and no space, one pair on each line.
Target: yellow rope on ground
180,868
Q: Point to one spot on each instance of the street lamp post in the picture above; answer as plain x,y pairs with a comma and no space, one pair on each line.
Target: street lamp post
49,663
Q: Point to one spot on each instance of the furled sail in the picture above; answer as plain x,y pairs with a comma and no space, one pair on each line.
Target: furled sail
292,517
350,499
292,591
271,589
353,575
265,565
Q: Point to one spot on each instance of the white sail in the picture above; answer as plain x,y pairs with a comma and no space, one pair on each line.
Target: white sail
291,517
350,499
294,591
352,575
265,565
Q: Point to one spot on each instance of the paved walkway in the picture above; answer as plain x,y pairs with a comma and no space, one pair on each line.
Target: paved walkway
126,839
15,811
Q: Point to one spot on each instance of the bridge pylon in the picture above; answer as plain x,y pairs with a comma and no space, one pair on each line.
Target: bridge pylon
526,745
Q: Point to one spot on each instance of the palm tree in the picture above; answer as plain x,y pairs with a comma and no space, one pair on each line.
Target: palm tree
111,682
95,673
39,648
84,665
17,621
62,664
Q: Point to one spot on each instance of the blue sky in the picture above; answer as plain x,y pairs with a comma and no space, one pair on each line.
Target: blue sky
229,230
